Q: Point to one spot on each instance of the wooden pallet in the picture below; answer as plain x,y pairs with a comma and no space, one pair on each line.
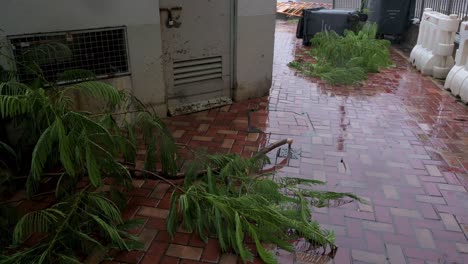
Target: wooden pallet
295,8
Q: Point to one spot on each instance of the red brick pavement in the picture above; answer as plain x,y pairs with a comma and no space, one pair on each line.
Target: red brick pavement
399,141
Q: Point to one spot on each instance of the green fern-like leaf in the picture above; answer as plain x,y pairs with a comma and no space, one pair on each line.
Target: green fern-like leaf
110,232
41,152
13,88
7,149
35,222
220,230
102,91
65,148
11,106
239,239
88,239
266,256
94,172
172,220
158,137
230,201
106,207
131,223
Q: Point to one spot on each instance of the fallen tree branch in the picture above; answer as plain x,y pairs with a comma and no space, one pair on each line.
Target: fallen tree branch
276,167
157,176
181,175
275,145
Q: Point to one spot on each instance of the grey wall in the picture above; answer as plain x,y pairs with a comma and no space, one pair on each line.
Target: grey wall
141,18
254,48
255,27
30,16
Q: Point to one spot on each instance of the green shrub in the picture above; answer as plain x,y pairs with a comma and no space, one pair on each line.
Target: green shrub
347,59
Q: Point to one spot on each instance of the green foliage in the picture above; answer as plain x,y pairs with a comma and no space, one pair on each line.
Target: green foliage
8,217
235,200
346,59
85,140
84,145
80,223
48,53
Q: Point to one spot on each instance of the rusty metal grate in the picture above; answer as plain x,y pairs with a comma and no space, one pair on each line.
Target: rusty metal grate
197,70
102,51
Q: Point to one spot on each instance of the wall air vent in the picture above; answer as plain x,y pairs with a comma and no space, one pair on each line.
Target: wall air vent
102,51
197,70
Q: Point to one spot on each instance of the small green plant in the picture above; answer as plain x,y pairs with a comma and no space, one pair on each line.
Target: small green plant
295,64
346,59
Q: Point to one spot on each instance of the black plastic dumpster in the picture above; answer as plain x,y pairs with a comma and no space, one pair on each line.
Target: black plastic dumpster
392,17
317,20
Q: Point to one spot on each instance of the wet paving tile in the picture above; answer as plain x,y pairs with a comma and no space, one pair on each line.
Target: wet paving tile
399,140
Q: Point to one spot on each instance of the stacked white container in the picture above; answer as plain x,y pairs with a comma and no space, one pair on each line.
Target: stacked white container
433,53
457,79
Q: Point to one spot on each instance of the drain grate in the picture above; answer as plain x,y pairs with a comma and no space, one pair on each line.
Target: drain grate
284,152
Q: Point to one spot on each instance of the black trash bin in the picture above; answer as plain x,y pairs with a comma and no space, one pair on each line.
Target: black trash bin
318,20
392,17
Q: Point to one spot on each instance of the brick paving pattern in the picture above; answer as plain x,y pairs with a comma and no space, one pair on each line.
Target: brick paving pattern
399,141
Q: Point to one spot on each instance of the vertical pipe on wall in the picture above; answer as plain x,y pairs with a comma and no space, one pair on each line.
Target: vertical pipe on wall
233,48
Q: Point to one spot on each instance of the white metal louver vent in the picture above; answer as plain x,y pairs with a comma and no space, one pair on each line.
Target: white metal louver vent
197,70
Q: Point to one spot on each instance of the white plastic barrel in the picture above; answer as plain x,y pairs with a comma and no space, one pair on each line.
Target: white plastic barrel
433,53
457,79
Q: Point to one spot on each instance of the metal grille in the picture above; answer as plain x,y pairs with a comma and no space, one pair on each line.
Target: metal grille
197,70
458,7
102,51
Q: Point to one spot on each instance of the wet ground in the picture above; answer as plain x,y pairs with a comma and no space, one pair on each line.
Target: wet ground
399,141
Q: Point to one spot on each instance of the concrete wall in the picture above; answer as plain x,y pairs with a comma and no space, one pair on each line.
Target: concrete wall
254,48
253,54
140,17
